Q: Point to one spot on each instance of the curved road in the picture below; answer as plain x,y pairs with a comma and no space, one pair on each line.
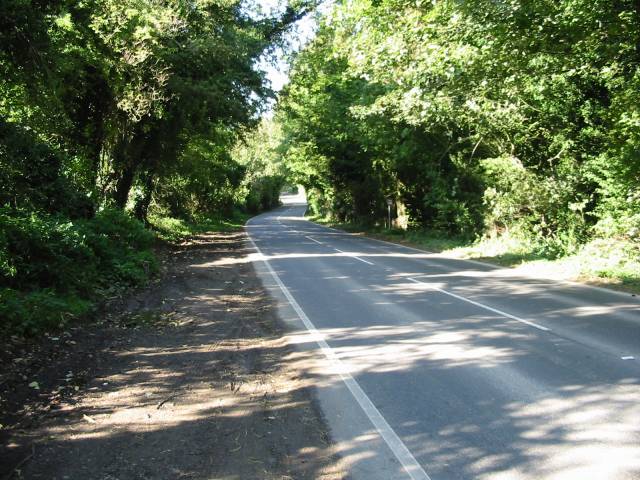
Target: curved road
431,367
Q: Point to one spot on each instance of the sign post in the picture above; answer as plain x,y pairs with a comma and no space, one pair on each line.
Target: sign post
389,203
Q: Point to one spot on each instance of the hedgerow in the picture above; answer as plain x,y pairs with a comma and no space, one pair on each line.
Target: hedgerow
54,269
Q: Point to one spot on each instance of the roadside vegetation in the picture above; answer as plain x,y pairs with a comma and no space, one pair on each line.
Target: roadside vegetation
604,262
122,123
507,130
174,230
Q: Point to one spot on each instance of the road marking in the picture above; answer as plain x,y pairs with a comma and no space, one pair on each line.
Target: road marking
628,357
490,266
395,444
482,305
314,240
353,256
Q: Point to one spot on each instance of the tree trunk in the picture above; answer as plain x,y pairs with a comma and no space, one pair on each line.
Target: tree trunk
123,186
127,162
142,205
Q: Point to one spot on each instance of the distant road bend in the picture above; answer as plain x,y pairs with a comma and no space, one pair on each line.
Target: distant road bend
430,367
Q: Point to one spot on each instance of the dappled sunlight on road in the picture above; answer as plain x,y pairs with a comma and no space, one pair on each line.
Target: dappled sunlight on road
285,256
371,349
596,424
469,378
571,431
585,427
483,372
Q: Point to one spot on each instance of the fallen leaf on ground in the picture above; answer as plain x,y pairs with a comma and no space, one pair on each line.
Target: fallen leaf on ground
88,419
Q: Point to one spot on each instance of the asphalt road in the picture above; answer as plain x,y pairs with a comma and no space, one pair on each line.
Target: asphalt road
430,367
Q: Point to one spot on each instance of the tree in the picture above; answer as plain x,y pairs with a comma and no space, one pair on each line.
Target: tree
458,108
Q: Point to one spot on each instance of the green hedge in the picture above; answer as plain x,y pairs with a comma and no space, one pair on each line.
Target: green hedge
53,269
264,194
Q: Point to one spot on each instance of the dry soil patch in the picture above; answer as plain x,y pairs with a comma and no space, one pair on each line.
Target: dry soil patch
204,386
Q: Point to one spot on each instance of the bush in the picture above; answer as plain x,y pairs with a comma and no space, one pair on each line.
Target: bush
548,210
52,268
44,251
29,312
122,247
264,194
31,176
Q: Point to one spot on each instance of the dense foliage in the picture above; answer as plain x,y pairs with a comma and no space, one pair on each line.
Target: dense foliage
109,107
136,99
476,117
52,268
260,155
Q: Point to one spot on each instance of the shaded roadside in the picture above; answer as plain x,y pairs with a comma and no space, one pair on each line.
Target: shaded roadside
201,385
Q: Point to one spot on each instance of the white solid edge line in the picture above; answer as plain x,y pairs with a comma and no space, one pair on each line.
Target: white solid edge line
482,305
395,444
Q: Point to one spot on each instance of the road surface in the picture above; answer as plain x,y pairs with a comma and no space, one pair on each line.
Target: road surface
429,367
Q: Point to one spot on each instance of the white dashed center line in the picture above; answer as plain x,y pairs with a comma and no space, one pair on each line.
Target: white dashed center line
314,240
353,256
482,305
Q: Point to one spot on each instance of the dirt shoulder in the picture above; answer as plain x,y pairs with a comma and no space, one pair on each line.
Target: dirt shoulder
201,384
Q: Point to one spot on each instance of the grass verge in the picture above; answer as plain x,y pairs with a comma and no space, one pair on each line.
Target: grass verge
175,230
614,263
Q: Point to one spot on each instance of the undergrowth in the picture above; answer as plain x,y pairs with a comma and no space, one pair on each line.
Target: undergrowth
175,230
53,269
